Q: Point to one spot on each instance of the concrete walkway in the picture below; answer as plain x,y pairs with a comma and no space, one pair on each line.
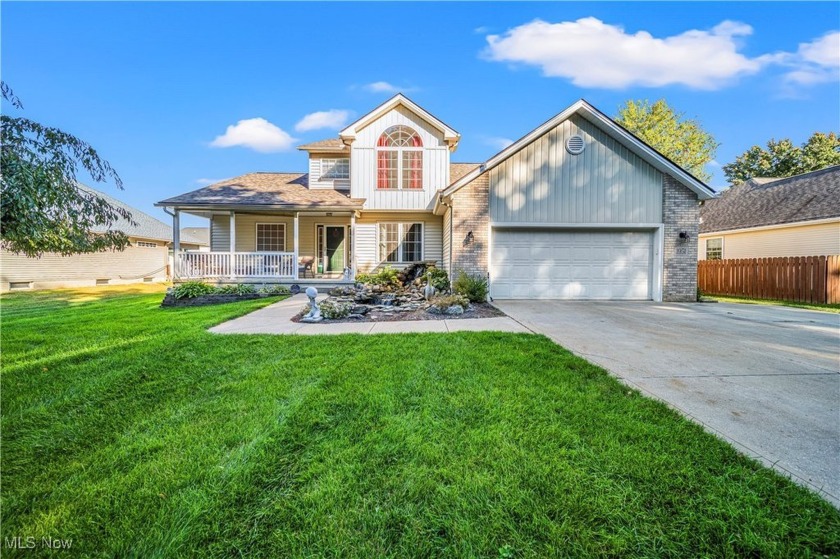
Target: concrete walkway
276,319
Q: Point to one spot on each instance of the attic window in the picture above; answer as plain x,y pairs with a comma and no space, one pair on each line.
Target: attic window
575,144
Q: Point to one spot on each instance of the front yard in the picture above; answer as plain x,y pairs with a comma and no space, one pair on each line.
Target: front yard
132,431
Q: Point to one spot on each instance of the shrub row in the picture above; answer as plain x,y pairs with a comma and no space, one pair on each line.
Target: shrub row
193,289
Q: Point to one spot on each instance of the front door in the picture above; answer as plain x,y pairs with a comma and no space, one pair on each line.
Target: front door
334,248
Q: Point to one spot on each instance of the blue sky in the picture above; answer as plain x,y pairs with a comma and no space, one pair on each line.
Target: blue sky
174,95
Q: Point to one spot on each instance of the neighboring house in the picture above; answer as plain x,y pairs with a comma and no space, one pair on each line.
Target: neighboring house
199,234
146,260
577,209
764,218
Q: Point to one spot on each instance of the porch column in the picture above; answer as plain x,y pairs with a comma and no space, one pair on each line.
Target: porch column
353,246
176,243
295,265
232,244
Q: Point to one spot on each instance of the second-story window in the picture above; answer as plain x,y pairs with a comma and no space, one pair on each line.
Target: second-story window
332,169
399,159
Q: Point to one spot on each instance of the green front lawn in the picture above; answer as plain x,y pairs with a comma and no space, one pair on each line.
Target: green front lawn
132,431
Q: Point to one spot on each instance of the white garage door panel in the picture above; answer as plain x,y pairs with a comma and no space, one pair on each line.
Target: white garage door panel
571,264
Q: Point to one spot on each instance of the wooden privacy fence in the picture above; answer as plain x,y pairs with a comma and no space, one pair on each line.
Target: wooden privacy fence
803,279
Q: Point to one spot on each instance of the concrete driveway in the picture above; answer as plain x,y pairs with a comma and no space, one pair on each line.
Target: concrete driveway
765,378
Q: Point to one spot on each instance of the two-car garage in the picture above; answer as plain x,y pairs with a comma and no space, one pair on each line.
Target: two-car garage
572,264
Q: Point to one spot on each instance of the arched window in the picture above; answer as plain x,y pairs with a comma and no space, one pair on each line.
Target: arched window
399,159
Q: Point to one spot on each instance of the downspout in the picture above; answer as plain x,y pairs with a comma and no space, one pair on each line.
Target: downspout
442,202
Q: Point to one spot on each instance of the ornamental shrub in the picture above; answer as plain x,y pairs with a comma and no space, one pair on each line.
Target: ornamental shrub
192,289
385,276
443,302
472,286
335,309
439,279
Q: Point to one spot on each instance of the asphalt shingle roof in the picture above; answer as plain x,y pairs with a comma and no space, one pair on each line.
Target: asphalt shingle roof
329,143
760,202
265,189
145,227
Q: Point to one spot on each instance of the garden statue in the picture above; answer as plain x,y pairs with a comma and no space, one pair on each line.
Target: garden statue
314,314
429,291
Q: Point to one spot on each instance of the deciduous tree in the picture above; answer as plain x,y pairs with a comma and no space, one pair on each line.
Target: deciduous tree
682,140
42,209
783,159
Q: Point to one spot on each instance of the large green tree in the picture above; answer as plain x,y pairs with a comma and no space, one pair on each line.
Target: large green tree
42,208
784,159
682,140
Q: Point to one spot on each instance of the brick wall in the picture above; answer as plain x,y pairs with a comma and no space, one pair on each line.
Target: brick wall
470,212
681,213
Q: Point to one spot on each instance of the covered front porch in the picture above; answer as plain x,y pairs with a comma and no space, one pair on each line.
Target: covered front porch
271,247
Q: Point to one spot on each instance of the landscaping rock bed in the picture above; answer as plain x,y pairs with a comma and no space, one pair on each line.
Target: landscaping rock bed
375,303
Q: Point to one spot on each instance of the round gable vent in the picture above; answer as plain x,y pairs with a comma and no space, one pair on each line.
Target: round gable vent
575,144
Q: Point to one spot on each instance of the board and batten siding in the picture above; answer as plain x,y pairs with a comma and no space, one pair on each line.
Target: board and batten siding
543,183
363,164
803,240
315,182
133,265
367,241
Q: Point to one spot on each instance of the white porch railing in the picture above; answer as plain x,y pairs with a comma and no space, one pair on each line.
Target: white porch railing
190,265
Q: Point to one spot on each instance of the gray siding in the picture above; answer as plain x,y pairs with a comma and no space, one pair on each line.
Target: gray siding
543,183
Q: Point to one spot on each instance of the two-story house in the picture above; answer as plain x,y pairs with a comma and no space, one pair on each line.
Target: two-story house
579,208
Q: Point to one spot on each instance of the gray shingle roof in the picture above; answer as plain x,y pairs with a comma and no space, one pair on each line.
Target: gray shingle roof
265,189
760,202
147,227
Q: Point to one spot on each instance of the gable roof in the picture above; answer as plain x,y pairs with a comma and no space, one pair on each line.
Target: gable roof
450,136
145,226
264,190
609,126
760,202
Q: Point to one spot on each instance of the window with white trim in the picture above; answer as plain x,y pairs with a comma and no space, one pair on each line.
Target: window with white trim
399,159
400,242
271,237
714,248
146,244
335,169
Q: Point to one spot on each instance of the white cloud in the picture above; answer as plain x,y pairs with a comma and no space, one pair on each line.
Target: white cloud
385,87
257,134
333,118
498,142
814,62
592,53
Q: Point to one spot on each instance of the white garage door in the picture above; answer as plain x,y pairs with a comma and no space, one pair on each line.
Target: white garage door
544,264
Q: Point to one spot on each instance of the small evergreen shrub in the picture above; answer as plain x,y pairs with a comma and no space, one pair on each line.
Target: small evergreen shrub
472,286
335,309
443,302
192,289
